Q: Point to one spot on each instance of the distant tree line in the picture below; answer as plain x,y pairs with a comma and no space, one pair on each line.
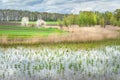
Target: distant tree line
90,18
16,15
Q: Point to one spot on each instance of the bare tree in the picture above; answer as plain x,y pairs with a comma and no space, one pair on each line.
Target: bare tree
25,21
40,22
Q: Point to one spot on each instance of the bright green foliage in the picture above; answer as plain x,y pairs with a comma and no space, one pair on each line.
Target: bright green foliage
117,17
70,20
90,18
107,17
118,23
113,21
87,19
60,23
117,14
102,22
66,21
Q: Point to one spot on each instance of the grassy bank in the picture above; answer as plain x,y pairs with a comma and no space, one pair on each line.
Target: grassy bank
71,45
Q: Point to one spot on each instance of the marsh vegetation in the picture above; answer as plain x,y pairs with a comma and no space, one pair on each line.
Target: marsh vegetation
43,63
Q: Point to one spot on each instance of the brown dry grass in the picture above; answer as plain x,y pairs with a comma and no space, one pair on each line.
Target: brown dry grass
77,33
96,33
93,33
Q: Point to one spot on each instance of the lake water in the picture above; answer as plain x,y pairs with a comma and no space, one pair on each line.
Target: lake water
23,63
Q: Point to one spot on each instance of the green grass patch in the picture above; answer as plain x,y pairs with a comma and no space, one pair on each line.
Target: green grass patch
18,31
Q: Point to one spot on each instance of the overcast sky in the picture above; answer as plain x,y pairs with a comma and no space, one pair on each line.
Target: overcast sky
61,6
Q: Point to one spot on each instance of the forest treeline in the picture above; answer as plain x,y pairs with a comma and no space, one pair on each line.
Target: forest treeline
84,18
16,15
90,18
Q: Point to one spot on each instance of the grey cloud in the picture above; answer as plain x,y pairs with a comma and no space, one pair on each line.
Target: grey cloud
60,6
31,3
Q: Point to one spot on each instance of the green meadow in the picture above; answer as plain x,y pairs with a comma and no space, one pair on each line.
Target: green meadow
18,31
